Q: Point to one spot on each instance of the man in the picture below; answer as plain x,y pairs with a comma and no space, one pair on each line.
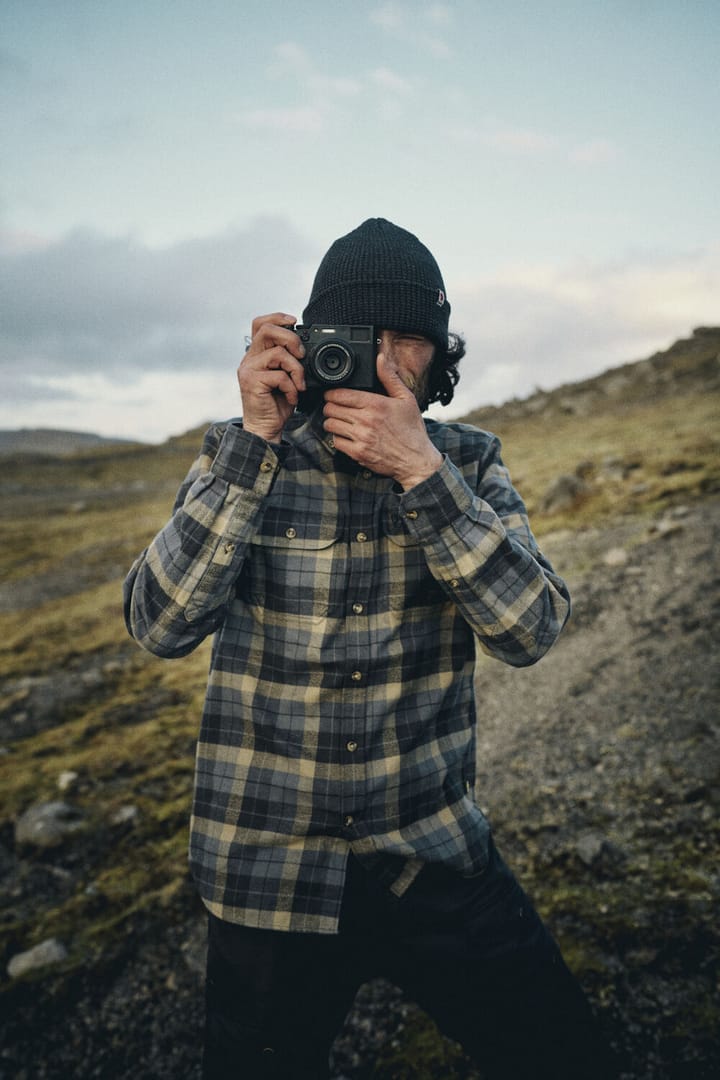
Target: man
350,557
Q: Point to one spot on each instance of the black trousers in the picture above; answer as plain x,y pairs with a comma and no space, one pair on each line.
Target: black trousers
472,952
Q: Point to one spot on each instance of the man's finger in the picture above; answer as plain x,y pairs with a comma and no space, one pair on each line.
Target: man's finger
276,329
278,318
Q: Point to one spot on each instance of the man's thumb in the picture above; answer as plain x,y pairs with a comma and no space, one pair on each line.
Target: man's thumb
390,377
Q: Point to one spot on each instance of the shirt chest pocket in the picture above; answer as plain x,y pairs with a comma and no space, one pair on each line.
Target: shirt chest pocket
293,570
410,583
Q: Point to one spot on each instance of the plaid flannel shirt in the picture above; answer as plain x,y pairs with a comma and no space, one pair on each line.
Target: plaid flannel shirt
340,711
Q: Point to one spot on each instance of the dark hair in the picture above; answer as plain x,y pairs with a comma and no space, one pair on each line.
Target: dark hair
443,374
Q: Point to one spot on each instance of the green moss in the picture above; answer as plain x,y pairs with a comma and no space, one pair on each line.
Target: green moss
420,1052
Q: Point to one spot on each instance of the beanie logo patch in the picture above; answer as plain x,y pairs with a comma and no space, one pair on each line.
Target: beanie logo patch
440,298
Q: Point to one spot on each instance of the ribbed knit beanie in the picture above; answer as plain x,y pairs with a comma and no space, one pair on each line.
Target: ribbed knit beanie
381,275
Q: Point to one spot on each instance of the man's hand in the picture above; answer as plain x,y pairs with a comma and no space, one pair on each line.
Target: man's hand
271,376
385,434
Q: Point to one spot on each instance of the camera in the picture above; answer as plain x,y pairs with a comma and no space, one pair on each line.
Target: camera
340,356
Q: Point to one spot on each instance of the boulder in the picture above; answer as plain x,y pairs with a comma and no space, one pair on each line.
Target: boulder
564,493
47,824
48,952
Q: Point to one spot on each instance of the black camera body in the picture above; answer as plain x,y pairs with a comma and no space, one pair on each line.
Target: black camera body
340,356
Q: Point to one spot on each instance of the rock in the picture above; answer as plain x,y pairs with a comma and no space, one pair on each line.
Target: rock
34,703
586,469
48,952
666,527
614,469
91,678
67,781
47,824
590,846
194,949
113,667
616,556
125,815
564,493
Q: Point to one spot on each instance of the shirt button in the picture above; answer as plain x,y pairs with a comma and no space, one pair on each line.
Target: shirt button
358,609
454,583
291,533
412,514
356,676
352,746
348,820
229,547
267,466
366,474
361,537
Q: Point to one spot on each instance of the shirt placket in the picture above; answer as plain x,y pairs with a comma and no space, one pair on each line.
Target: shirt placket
353,743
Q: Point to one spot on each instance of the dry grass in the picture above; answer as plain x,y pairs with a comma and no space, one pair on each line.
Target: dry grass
668,450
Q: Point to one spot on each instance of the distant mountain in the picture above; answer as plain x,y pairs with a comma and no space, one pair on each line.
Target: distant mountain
52,441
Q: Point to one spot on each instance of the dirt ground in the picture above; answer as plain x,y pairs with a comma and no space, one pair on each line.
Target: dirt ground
598,768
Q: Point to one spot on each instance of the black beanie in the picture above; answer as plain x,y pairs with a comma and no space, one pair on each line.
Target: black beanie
381,275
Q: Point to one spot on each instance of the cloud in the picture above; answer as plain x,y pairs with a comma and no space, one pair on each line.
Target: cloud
20,389
289,54
509,139
516,140
301,120
544,325
389,17
594,152
391,81
91,304
149,407
108,334
513,140
396,17
291,59
441,14
505,138
321,93
417,28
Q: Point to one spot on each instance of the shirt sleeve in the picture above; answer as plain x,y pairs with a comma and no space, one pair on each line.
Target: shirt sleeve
479,547
178,588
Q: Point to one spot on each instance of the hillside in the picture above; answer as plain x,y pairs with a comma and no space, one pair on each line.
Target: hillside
631,439
50,441
599,767
690,364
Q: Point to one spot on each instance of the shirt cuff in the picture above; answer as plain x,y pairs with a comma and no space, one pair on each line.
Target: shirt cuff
246,460
437,502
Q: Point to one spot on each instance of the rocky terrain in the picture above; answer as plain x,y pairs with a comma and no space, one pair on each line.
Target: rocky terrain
598,767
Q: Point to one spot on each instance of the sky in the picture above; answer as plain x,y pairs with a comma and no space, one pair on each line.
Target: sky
172,168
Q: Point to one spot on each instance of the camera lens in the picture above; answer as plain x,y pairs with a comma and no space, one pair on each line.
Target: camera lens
332,363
